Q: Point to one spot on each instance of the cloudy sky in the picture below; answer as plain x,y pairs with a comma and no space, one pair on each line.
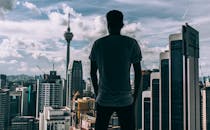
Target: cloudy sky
31,31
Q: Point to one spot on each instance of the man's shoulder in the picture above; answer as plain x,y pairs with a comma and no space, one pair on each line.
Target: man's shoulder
101,39
128,38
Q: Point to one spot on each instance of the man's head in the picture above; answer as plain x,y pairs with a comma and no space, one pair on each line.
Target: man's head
114,21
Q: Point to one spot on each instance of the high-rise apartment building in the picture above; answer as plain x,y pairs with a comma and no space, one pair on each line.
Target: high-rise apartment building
4,109
146,110
184,93
49,92
164,91
155,81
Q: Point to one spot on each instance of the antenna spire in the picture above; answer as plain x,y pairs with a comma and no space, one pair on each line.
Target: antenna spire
69,22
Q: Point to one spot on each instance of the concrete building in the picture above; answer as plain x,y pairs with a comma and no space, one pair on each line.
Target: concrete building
55,118
184,90
49,92
204,108
155,81
164,91
146,110
24,123
4,109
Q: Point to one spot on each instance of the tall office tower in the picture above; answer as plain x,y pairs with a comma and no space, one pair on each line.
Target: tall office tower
55,118
146,107
31,101
49,92
184,87
4,109
77,78
3,81
154,81
15,104
164,90
24,123
145,85
24,100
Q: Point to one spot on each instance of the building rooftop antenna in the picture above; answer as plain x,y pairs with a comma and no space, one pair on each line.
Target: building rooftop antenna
68,22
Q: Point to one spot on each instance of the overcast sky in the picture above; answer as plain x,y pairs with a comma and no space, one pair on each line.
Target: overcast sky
31,31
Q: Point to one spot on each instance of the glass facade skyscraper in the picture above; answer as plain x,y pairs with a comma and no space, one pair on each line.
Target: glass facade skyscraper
184,91
164,90
155,79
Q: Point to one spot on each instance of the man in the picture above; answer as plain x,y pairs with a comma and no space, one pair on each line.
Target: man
112,56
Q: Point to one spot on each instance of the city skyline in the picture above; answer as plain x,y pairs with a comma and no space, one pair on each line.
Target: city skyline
32,31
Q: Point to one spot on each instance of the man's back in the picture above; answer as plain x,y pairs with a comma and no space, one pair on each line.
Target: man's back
113,55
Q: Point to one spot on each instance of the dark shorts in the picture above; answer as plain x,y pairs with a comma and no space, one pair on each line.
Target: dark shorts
125,115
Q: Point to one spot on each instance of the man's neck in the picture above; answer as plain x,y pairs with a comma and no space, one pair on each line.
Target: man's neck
114,33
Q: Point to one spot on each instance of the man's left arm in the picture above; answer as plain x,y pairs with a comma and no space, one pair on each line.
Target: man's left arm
94,78
137,80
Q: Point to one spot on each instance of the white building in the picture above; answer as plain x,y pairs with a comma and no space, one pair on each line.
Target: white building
49,93
53,118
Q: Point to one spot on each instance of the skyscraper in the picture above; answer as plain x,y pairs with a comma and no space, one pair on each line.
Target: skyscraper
146,110
4,109
49,92
145,86
155,79
184,88
15,103
164,90
77,78
24,100
3,81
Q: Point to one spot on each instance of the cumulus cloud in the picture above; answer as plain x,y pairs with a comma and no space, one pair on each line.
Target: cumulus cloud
32,7
6,5
41,42
160,3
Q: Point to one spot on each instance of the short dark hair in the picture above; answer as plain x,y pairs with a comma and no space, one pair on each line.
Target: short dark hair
114,17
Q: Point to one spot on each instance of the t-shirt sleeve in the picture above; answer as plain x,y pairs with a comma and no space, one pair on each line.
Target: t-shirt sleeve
92,55
136,53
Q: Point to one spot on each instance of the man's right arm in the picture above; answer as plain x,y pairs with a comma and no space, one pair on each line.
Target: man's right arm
93,74
137,80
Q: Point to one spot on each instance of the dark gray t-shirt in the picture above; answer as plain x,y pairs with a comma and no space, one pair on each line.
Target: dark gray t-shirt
114,55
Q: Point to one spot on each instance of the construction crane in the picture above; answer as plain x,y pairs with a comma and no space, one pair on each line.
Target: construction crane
40,69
